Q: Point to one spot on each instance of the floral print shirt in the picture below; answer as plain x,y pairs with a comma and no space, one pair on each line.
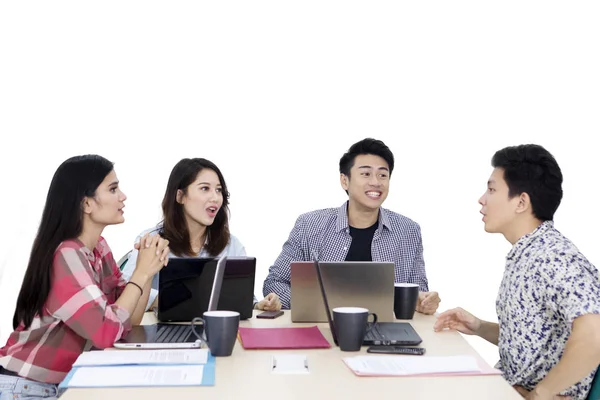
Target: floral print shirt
546,285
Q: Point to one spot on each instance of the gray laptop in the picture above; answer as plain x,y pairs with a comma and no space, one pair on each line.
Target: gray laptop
349,284
385,333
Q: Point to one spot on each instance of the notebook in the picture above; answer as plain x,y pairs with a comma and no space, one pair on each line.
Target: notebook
283,338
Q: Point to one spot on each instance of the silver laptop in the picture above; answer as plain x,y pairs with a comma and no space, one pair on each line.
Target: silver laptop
173,336
349,283
379,333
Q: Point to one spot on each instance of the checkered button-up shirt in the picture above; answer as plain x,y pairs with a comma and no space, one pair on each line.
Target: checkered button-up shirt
79,313
326,232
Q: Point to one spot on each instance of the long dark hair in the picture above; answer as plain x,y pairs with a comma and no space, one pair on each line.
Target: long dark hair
62,219
174,227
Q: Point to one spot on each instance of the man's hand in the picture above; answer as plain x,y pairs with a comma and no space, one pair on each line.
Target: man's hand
458,319
269,303
428,302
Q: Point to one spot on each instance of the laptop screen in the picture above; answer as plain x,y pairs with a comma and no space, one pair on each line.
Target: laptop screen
188,287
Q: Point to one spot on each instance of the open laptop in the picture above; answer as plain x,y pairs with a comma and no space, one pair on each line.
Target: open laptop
369,284
179,336
237,290
381,333
184,288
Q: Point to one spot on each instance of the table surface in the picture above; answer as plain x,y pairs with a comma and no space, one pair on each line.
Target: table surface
247,374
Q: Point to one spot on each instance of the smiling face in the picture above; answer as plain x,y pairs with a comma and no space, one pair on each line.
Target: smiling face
202,199
368,183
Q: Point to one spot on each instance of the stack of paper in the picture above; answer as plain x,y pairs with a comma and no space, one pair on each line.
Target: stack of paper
390,365
283,338
135,368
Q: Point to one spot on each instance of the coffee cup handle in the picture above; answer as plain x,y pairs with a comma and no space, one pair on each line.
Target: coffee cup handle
199,321
372,322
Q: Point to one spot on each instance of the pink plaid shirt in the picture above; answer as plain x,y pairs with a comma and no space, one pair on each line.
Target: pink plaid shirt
79,313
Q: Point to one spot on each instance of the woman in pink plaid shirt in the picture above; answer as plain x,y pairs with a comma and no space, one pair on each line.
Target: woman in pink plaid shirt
73,296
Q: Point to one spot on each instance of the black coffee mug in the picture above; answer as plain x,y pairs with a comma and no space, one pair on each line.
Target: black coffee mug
220,331
405,300
351,326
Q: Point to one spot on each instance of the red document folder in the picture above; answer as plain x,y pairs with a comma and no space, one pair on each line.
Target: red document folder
283,338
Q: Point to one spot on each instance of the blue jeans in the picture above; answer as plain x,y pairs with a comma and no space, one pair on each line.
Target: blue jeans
14,387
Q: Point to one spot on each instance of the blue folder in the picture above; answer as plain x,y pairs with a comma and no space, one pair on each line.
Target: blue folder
208,376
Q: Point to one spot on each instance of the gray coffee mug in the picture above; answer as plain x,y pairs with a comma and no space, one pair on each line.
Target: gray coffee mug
220,331
406,296
351,326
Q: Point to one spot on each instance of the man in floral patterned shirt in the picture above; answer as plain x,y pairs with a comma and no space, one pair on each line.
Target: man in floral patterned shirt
548,304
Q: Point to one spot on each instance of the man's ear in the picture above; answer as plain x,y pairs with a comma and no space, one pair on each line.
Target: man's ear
524,203
344,181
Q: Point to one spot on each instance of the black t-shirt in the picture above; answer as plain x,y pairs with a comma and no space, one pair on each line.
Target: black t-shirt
360,249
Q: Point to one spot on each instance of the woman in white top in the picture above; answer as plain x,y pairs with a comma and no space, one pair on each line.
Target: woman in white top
196,220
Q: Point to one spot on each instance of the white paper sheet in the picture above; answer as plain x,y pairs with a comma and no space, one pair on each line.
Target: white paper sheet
138,375
411,365
133,357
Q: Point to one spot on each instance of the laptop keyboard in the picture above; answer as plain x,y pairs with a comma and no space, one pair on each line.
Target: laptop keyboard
173,333
373,332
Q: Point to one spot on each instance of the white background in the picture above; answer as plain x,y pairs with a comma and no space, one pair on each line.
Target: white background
274,93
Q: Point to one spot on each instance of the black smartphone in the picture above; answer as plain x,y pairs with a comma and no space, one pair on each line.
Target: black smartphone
410,351
270,314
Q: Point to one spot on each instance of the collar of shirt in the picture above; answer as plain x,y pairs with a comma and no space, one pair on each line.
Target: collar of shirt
525,240
342,219
93,256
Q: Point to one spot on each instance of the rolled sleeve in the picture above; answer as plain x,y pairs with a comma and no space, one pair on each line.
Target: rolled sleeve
278,279
419,262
